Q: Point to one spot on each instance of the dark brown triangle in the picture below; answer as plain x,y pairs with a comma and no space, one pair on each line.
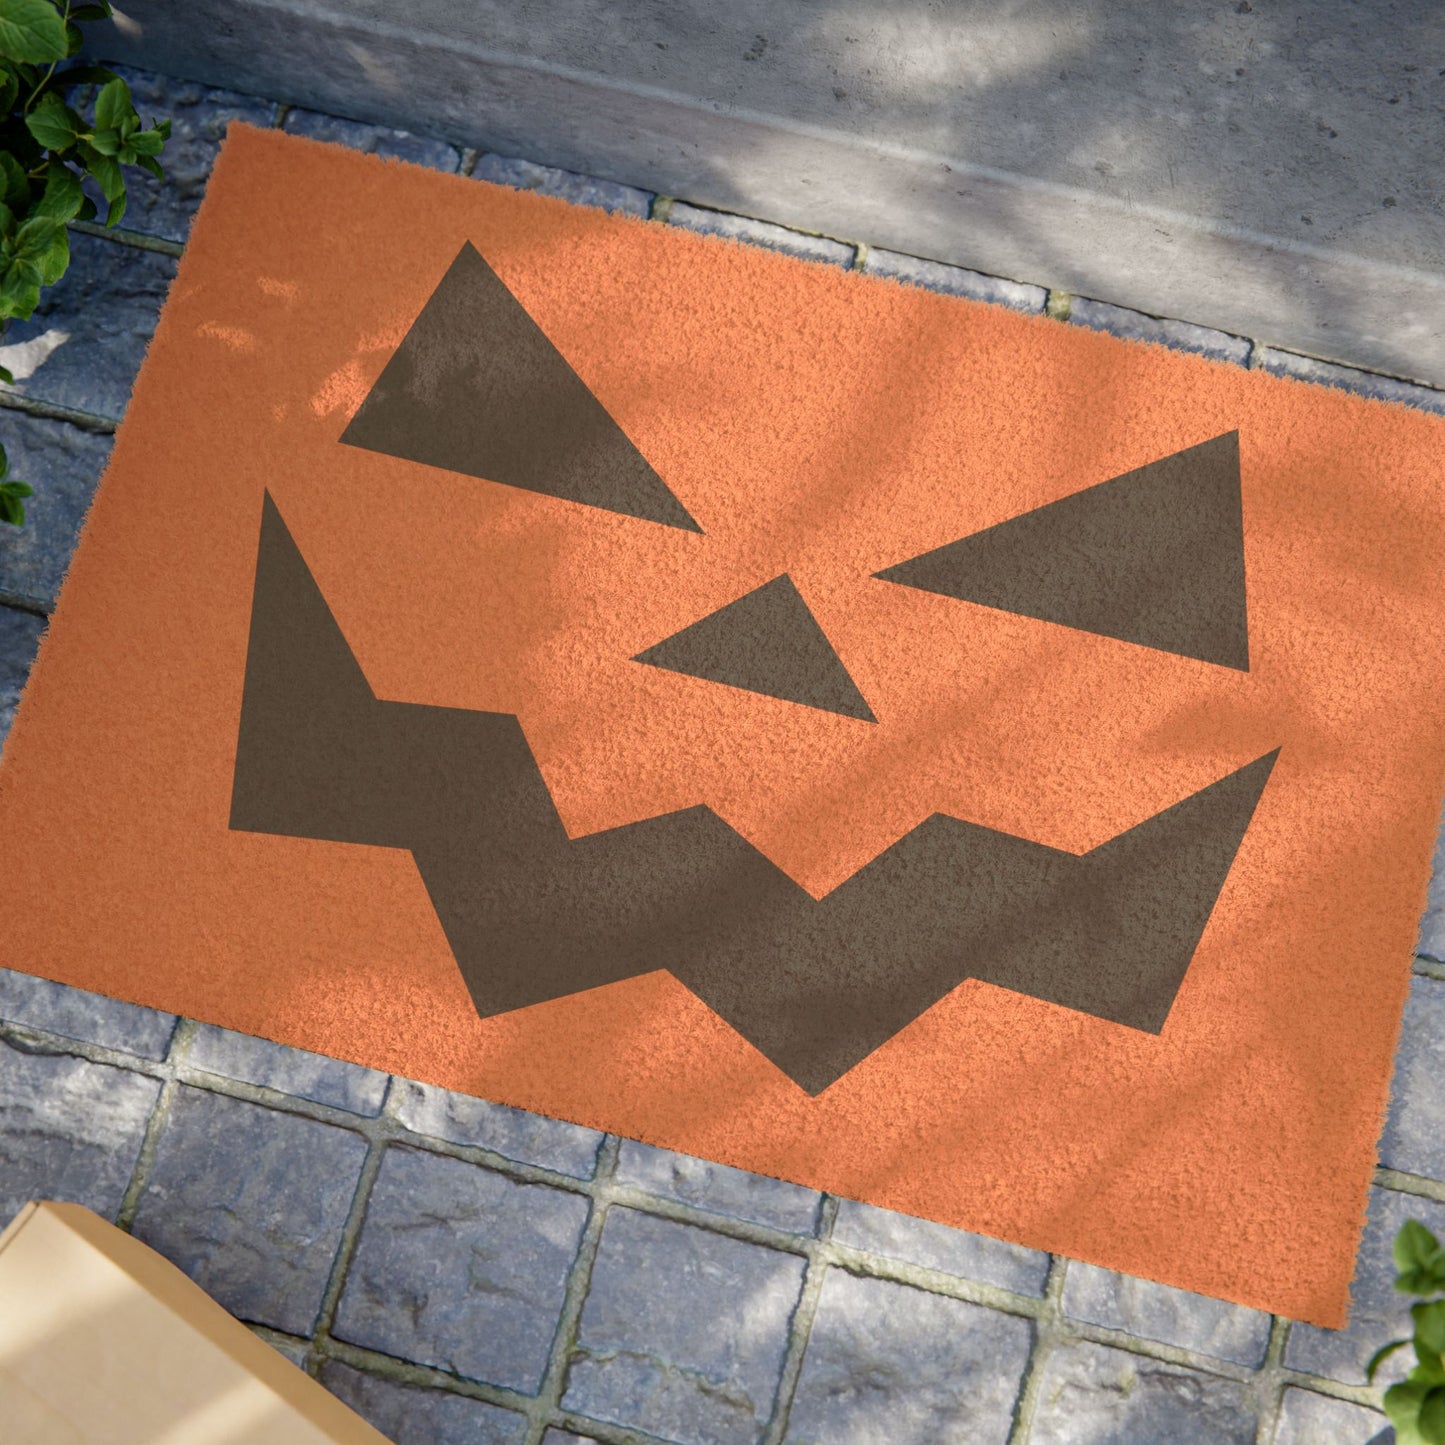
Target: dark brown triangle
815,984
476,387
767,641
1155,557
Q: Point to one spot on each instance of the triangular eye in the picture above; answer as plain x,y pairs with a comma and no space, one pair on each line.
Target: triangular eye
476,387
1154,557
768,642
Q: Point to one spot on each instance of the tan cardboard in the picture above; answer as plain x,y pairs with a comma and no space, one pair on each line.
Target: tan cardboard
105,1342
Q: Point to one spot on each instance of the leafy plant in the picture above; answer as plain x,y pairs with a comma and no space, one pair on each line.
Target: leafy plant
1416,1406
46,149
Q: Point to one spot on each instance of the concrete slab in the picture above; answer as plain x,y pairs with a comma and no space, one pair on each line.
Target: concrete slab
1260,170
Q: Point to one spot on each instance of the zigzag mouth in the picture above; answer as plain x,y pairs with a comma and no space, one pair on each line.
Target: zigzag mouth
816,985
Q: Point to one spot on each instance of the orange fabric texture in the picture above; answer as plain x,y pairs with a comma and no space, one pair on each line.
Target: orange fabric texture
827,425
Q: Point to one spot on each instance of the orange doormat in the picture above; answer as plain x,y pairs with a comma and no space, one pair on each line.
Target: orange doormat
936,755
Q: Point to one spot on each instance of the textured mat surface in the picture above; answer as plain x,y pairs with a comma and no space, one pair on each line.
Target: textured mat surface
965,763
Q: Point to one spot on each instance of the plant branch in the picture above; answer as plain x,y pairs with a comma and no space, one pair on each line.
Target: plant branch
45,79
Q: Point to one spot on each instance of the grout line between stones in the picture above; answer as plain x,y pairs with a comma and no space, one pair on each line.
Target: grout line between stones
1269,1381
1416,1184
800,1327
85,420
548,1404
124,236
468,163
407,1372
346,1245
179,1047
21,603
1046,1327
1057,304
1430,968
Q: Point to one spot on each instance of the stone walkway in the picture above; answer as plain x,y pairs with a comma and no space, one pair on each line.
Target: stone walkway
462,1272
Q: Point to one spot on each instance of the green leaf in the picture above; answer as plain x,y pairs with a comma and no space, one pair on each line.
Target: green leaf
116,210
53,123
107,142
151,164
1430,1325
63,196
74,38
1432,1417
87,211
31,30
12,510
1402,1404
1380,1356
7,221
20,288
36,236
9,90
4,460
105,171
1415,1248
17,489
147,142
55,259
112,105
14,186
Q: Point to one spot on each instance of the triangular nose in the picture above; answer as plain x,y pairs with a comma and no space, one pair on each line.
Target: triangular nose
768,642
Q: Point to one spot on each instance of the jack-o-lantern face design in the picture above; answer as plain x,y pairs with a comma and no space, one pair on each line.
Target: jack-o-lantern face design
816,980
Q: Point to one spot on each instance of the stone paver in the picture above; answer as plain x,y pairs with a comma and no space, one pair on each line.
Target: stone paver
953,280
413,1415
1172,1316
199,115
936,1246
63,463
760,233
684,1331
19,641
378,140
1306,1418
565,1437
1378,1313
1136,326
1384,388
69,1130
1093,1395
291,1071
87,338
250,1202
89,1017
461,1268
887,1362
718,1187
568,185
1414,1137
513,1133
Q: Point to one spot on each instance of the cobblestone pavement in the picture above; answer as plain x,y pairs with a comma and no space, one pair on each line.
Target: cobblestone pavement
463,1272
